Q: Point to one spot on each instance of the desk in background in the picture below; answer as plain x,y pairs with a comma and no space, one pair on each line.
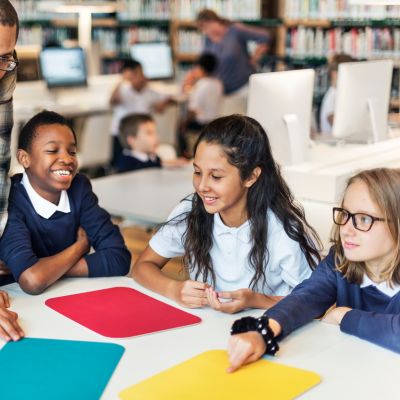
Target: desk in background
350,368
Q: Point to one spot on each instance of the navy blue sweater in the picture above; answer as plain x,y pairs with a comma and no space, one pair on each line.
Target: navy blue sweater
374,316
29,237
127,163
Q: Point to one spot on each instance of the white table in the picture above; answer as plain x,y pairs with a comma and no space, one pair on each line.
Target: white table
146,196
350,368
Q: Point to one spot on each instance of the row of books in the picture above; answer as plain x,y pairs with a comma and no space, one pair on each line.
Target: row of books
40,36
359,43
29,10
189,41
145,9
140,35
337,9
233,9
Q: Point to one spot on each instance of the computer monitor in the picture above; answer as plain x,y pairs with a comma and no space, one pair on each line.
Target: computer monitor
362,100
63,67
282,103
156,59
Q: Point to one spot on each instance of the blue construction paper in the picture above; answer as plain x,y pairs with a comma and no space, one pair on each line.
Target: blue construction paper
56,369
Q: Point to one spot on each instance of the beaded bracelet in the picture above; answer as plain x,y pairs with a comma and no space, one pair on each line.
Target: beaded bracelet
260,325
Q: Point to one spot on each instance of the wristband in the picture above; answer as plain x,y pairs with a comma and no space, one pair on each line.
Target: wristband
260,325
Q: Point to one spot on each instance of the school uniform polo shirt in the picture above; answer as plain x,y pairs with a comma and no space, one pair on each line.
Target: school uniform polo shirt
286,266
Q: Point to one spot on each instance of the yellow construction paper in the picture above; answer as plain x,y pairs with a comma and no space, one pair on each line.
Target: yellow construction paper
204,377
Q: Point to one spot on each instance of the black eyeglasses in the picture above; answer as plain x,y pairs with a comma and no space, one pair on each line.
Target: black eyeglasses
362,222
8,64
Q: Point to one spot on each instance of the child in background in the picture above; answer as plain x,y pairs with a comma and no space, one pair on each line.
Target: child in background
205,98
240,232
328,102
53,215
139,138
360,276
133,95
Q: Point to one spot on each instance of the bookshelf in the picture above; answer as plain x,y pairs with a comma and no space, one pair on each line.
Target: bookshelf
306,32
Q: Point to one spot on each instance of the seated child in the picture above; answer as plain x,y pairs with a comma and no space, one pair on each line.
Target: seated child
139,138
241,232
360,276
133,95
205,98
328,101
53,215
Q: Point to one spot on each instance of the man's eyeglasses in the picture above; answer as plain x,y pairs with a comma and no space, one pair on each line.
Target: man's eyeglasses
362,222
8,64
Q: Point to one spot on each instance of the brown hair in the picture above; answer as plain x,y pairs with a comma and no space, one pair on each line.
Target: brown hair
338,59
384,188
129,126
207,15
8,16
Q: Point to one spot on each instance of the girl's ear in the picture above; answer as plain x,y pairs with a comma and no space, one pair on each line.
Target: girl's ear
253,177
23,158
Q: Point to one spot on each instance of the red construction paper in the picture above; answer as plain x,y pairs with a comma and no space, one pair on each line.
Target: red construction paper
120,312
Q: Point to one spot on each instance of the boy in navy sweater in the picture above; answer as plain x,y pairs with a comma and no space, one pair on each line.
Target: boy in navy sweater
361,275
54,217
139,138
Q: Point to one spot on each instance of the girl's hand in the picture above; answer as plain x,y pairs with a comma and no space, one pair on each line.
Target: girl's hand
83,240
190,293
4,300
9,327
229,302
244,348
336,315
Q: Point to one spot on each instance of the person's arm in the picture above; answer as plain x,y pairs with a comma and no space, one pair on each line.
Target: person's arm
307,301
35,274
115,97
7,86
48,270
378,328
147,272
111,256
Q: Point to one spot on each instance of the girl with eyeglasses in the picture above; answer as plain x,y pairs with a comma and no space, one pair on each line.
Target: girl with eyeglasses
360,276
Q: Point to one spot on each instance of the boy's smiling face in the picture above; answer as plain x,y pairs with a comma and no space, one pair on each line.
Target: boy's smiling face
51,162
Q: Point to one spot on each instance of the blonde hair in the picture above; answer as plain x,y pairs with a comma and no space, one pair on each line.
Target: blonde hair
384,188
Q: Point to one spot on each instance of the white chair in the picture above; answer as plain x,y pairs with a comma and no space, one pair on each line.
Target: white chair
95,141
167,124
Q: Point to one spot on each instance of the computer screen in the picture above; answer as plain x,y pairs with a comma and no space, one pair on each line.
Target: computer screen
156,59
362,100
63,67
282,103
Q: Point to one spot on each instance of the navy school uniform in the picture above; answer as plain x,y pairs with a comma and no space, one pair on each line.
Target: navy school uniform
375,315
29,237
128,162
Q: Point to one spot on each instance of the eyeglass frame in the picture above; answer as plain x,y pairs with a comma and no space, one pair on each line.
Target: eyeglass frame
353,218
13,61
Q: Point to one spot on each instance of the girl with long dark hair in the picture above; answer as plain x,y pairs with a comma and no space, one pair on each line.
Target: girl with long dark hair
244,240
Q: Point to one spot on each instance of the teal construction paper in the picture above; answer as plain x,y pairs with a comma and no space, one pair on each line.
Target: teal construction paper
44,369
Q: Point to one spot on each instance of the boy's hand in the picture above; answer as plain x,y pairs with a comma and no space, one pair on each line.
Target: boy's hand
244,348
83,240
229,302
9,327
190,293
4,300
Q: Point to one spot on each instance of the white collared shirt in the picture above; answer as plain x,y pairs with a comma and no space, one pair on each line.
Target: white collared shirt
141,156
287,265
42,206
382,286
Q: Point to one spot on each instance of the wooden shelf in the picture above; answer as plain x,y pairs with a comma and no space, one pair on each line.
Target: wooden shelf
308,23
186,57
